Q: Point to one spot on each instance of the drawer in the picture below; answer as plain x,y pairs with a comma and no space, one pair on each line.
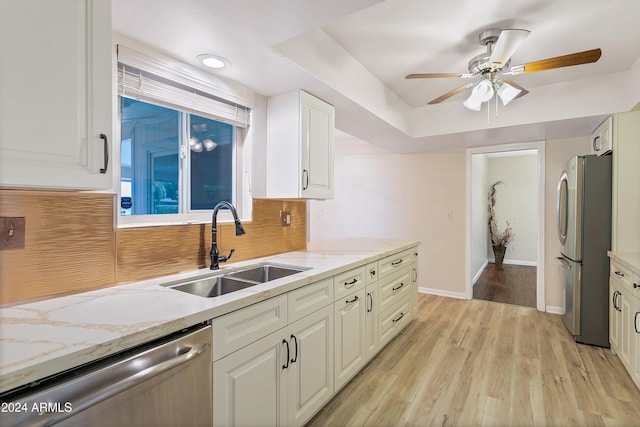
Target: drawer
394,262
371,273
242,327
348,282
622,273
395,286
394,319
306,300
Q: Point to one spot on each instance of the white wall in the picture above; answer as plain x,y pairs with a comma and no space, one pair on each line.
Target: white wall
557,154
516,202
405,196
479,214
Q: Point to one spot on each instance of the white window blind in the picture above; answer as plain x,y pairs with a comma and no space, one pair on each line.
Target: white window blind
145,78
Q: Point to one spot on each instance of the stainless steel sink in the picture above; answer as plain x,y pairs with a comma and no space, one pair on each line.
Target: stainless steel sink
266,273
214,286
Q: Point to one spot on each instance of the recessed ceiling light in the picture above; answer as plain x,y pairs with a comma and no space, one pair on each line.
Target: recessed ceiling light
214,61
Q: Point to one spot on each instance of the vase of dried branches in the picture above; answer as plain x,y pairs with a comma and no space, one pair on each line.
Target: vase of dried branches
498,253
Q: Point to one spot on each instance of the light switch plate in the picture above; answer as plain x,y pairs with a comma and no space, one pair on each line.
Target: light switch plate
12,231
285,218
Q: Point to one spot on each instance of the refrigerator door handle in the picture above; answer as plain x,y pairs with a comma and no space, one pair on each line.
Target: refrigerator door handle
564,262
562,207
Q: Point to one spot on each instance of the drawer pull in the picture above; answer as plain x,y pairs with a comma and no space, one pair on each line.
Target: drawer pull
351,283
399,287
619,273
636,286
396,263
372,273
399,317
352,301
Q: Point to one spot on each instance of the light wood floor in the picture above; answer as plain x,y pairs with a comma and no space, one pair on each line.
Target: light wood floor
511,284
480,363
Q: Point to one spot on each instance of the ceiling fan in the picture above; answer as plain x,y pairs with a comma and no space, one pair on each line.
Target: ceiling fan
488,69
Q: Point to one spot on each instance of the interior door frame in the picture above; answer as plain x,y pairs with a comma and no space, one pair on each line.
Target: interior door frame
540,147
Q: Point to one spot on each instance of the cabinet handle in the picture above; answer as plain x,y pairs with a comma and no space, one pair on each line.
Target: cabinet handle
399,287
395,263
351,283
619,273
636,286
105,141
286,365
635,323
305,178
370,308
415,275
595,144
616,294
295,358
398,319
352,301
372,273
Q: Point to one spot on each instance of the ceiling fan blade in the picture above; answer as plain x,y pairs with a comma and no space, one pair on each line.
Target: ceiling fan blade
439,76
450,93
517,86
578,58
508,42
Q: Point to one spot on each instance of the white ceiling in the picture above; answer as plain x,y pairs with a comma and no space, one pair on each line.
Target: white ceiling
355,54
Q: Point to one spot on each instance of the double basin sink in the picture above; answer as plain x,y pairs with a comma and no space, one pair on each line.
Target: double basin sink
214,286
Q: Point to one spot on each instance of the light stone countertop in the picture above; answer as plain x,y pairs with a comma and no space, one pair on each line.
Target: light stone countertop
631,259
43,338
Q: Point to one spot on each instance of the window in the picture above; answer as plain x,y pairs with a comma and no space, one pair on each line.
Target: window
180,146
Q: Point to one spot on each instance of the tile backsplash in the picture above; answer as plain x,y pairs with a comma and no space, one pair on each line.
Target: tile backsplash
71,243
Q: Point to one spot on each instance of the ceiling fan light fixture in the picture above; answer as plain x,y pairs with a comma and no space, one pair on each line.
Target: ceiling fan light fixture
483,90
472,103
507,93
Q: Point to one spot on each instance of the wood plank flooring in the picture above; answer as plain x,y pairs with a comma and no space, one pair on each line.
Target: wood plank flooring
511,284
478,363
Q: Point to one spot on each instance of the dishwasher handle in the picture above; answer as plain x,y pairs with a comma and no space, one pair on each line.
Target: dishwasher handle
85,395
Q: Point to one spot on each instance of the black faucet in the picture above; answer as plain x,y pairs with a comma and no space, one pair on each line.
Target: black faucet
215,258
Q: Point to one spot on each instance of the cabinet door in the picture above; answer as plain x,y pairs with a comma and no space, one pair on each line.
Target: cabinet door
371,321
349,336
55,101
615,315
625,346
317,139
310,372
247,384
635,342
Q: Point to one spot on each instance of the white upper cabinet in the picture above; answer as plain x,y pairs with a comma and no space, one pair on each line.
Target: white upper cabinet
55,102
625,236
299,155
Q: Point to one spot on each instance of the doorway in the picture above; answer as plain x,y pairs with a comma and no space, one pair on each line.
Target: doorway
517,170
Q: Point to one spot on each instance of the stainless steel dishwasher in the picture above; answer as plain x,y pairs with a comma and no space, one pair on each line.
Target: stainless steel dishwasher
164,383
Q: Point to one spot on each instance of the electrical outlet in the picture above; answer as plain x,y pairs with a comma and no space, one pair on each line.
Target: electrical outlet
12,231
285,218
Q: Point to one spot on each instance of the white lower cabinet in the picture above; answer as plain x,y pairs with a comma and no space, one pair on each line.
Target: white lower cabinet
624,318
279,361
371,321
282,379
350,352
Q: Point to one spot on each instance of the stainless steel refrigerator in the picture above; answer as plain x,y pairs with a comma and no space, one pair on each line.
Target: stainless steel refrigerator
584,228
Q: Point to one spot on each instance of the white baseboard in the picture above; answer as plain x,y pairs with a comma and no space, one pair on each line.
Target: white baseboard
554,310
459,295
479,273
515,262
